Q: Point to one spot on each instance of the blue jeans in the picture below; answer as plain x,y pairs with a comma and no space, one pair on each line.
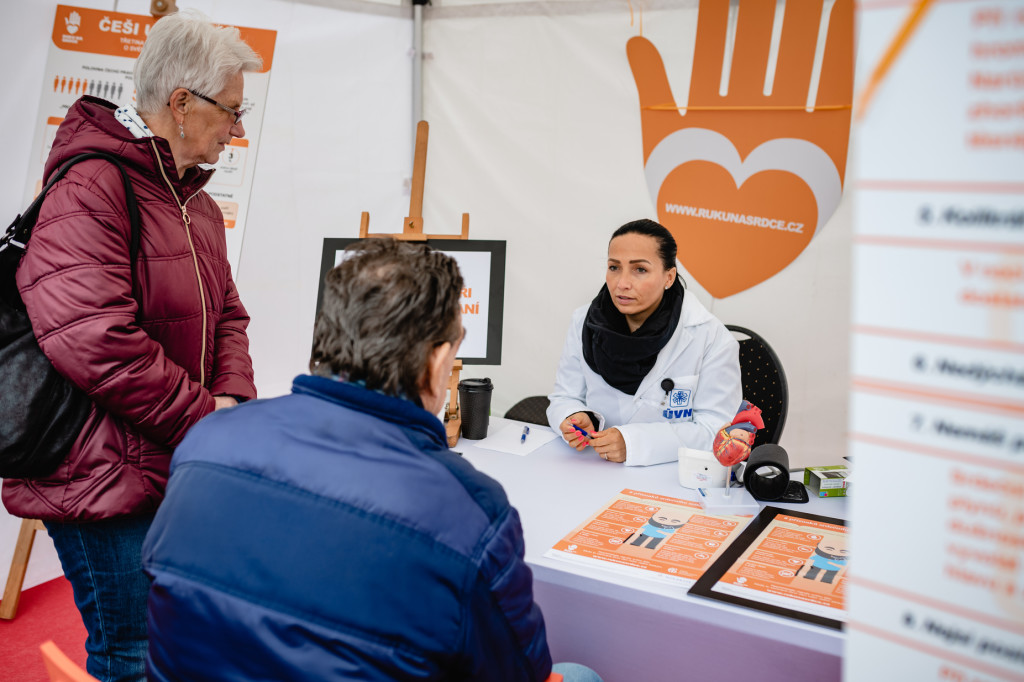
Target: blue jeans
103,562
574,672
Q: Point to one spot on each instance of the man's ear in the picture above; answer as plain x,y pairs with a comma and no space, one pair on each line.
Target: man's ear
435,379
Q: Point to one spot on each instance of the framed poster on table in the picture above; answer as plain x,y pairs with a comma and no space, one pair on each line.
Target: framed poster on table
784,562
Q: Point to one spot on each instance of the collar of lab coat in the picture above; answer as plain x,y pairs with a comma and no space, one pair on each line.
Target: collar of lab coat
692,315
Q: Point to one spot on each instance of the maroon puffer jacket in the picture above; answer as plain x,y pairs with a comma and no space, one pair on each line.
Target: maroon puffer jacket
151,370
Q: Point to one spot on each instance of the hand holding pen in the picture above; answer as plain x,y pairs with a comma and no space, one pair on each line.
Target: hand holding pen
577,430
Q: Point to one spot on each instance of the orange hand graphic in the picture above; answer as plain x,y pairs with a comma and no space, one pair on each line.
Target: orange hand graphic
755,162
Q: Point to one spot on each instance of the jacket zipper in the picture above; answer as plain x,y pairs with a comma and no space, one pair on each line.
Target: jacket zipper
187,220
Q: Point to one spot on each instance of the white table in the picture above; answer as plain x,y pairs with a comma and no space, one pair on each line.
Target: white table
632,629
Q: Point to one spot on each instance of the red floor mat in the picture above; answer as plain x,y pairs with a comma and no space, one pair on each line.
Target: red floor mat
46,611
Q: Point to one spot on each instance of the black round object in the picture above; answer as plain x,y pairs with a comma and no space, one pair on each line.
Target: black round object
767,473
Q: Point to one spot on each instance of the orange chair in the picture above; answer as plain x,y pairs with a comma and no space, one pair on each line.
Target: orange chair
555,677
60,668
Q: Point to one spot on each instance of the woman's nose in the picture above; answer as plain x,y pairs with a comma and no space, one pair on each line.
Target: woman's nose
238,130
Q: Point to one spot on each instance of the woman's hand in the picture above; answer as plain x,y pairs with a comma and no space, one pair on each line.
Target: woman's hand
571,435
609,444
222,401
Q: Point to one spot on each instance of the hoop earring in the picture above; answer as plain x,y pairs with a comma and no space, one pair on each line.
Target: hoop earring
181,130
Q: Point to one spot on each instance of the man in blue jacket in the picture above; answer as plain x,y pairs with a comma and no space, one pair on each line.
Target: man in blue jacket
330,534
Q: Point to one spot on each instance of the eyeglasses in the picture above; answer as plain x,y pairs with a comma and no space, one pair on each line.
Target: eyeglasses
238,113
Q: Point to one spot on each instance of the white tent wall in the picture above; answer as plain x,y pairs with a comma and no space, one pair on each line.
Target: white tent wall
535,132
336,141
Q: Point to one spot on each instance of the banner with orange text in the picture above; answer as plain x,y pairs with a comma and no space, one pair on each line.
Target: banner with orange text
937,402
92,52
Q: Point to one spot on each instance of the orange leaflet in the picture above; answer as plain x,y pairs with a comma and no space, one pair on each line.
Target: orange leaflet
797,558
663,536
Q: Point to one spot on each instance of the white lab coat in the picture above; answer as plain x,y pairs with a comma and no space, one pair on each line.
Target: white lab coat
701,359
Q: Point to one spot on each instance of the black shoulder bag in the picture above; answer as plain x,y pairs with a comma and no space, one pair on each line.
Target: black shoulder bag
41,412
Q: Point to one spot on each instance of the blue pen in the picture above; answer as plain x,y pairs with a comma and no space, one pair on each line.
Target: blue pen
522,439
589,436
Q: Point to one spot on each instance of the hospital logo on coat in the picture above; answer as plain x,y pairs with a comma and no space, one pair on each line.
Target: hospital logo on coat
680,397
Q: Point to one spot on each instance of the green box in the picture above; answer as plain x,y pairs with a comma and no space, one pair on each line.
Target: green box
827,481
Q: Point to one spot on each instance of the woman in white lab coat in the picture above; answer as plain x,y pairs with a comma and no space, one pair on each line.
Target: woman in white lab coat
646,368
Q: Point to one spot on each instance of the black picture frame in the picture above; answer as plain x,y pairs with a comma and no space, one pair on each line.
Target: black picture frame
704,586
495,301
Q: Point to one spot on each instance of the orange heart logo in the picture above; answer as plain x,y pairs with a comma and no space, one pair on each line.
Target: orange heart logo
749,228
754,163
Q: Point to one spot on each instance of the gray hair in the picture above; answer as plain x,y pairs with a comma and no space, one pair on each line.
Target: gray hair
185,50
385,308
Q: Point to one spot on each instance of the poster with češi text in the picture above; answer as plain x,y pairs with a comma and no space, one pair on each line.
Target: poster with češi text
92,52
650,536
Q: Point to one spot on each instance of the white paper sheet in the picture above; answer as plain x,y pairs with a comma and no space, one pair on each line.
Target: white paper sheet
510,439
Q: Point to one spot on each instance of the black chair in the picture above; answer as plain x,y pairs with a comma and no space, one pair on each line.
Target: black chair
764,382
532,410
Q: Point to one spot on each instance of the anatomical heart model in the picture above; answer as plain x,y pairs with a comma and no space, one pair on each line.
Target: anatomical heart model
751,169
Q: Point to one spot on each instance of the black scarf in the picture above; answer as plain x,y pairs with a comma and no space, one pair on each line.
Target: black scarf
622,358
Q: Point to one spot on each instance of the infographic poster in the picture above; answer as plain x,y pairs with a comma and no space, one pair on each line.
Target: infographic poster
937,345
92,52
650,536
788,563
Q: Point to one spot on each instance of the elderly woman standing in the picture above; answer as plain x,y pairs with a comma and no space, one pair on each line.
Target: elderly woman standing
153,363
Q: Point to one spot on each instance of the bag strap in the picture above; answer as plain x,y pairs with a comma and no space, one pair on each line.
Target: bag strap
19,231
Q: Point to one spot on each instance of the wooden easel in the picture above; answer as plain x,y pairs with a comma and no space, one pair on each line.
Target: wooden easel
161,8
412,230
19,565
